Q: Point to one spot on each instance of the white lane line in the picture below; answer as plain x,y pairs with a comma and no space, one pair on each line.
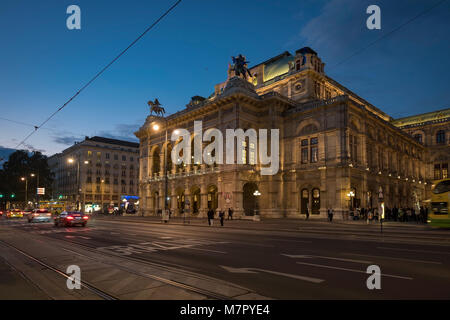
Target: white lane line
413,250
307,256
256,270
209,250
166,237
352,270
392,258
286,240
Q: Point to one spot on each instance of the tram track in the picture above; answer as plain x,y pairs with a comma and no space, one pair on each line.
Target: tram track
207,293
104,295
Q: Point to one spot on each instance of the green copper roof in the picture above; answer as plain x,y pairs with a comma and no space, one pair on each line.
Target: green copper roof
276,68
435,116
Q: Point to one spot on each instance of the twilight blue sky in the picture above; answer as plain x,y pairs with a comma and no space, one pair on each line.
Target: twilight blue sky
42,63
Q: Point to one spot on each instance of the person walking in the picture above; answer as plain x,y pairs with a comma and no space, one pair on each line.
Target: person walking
230,214
221,216
210,216
307,211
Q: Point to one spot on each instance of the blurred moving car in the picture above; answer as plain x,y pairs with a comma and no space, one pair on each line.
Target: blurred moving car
71,218
27,212
15,213
1,213
39,215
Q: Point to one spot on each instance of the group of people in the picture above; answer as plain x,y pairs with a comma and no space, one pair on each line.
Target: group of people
221,214
401,214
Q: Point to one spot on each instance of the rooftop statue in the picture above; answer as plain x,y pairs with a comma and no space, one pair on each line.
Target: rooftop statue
240,66
155,107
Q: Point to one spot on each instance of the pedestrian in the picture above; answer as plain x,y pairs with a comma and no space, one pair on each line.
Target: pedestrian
230,214
307,211
210,216
221,216
330,214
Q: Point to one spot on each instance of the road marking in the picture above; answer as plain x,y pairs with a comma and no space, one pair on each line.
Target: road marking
216,251
306,256
256,270
412,250
166,237
286,240
392,258
82,237
351,270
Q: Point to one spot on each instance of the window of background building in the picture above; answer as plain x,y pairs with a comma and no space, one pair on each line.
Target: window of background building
89,153
116,181
124,158
304,151
131,159
116,157
444,170
89,180
440,136
107,156
99,155
123,189
314,150
418,137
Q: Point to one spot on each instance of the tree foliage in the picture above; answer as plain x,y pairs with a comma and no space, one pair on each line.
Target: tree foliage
23,164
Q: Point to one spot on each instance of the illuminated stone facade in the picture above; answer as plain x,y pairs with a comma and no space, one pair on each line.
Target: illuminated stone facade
107,169
332,142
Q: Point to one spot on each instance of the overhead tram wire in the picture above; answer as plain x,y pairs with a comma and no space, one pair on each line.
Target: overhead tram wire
387,34
101,72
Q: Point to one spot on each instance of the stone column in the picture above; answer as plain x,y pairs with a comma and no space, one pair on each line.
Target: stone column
203,201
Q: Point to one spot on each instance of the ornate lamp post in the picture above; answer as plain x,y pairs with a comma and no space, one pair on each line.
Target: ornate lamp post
257,194
156,128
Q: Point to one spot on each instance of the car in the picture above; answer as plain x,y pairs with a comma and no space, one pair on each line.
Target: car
1,213
71,218
26,213
15,213
39,215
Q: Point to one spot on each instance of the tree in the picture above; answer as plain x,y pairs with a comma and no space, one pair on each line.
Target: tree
23,164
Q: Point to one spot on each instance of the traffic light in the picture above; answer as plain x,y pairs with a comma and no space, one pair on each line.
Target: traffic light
1,195
60,196
13,195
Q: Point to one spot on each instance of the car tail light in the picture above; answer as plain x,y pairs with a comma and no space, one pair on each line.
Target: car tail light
36,214
69,218
85,217
49,214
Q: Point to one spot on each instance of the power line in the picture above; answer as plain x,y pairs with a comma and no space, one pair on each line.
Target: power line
100,72
388,34
49,129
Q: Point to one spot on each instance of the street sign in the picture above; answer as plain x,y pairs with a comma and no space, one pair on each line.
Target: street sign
41,191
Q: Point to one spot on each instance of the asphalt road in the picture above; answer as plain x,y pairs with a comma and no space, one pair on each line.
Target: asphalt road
317,262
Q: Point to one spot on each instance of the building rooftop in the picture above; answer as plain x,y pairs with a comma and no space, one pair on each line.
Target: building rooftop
428,117
113,141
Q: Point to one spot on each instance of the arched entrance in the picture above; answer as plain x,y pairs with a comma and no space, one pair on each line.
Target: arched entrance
249,203
304,201
195,202
212,197
315,207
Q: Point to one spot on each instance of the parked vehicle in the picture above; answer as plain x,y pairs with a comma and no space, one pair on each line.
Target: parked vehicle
71,218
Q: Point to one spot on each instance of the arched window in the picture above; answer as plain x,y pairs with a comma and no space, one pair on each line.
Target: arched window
156,161
440,136
418,137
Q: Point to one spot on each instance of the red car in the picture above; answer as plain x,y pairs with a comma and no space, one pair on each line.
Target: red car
71,218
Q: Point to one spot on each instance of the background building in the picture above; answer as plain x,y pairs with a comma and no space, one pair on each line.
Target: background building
96,173
336,149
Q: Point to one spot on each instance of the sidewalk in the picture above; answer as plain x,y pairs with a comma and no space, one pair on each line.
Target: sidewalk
270,224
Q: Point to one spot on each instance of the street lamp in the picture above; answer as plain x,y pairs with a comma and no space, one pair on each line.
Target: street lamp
156,128
256,194
71,161
26,190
